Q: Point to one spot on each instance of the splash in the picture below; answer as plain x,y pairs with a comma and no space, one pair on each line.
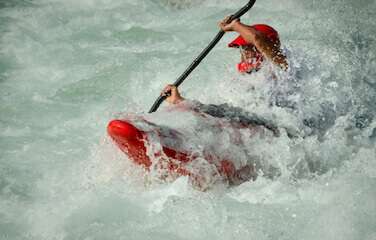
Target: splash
68,67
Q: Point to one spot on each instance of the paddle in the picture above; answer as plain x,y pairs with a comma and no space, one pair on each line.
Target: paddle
203,54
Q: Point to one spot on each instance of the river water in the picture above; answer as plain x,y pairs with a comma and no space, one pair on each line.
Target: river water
68,67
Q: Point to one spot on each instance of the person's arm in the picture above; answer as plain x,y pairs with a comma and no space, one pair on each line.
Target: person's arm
270,49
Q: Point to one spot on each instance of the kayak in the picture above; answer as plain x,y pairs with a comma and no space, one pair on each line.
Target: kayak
135,142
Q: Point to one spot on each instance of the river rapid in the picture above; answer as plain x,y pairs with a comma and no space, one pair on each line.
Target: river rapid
68,67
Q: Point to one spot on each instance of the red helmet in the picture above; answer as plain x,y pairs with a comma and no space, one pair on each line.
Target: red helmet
269,32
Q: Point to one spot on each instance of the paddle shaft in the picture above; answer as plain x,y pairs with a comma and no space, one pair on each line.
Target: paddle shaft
203,54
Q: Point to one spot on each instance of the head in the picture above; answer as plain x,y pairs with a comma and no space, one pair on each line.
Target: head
251,58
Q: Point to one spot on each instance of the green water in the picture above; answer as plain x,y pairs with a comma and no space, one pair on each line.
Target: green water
68,67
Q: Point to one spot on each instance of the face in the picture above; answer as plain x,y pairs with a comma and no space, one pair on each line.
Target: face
248,53
251,59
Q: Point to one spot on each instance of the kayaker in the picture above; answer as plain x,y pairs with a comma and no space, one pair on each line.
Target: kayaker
256,43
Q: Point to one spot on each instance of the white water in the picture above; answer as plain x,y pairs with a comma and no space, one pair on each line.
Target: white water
68,67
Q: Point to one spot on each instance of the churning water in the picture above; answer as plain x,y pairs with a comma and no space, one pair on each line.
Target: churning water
68,67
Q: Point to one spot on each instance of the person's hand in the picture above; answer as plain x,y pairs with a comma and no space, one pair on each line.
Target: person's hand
228,27
172,94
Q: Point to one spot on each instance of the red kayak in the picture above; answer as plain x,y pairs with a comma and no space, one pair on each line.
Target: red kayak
133,142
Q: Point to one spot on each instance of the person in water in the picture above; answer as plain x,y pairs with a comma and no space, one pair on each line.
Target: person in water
257,43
